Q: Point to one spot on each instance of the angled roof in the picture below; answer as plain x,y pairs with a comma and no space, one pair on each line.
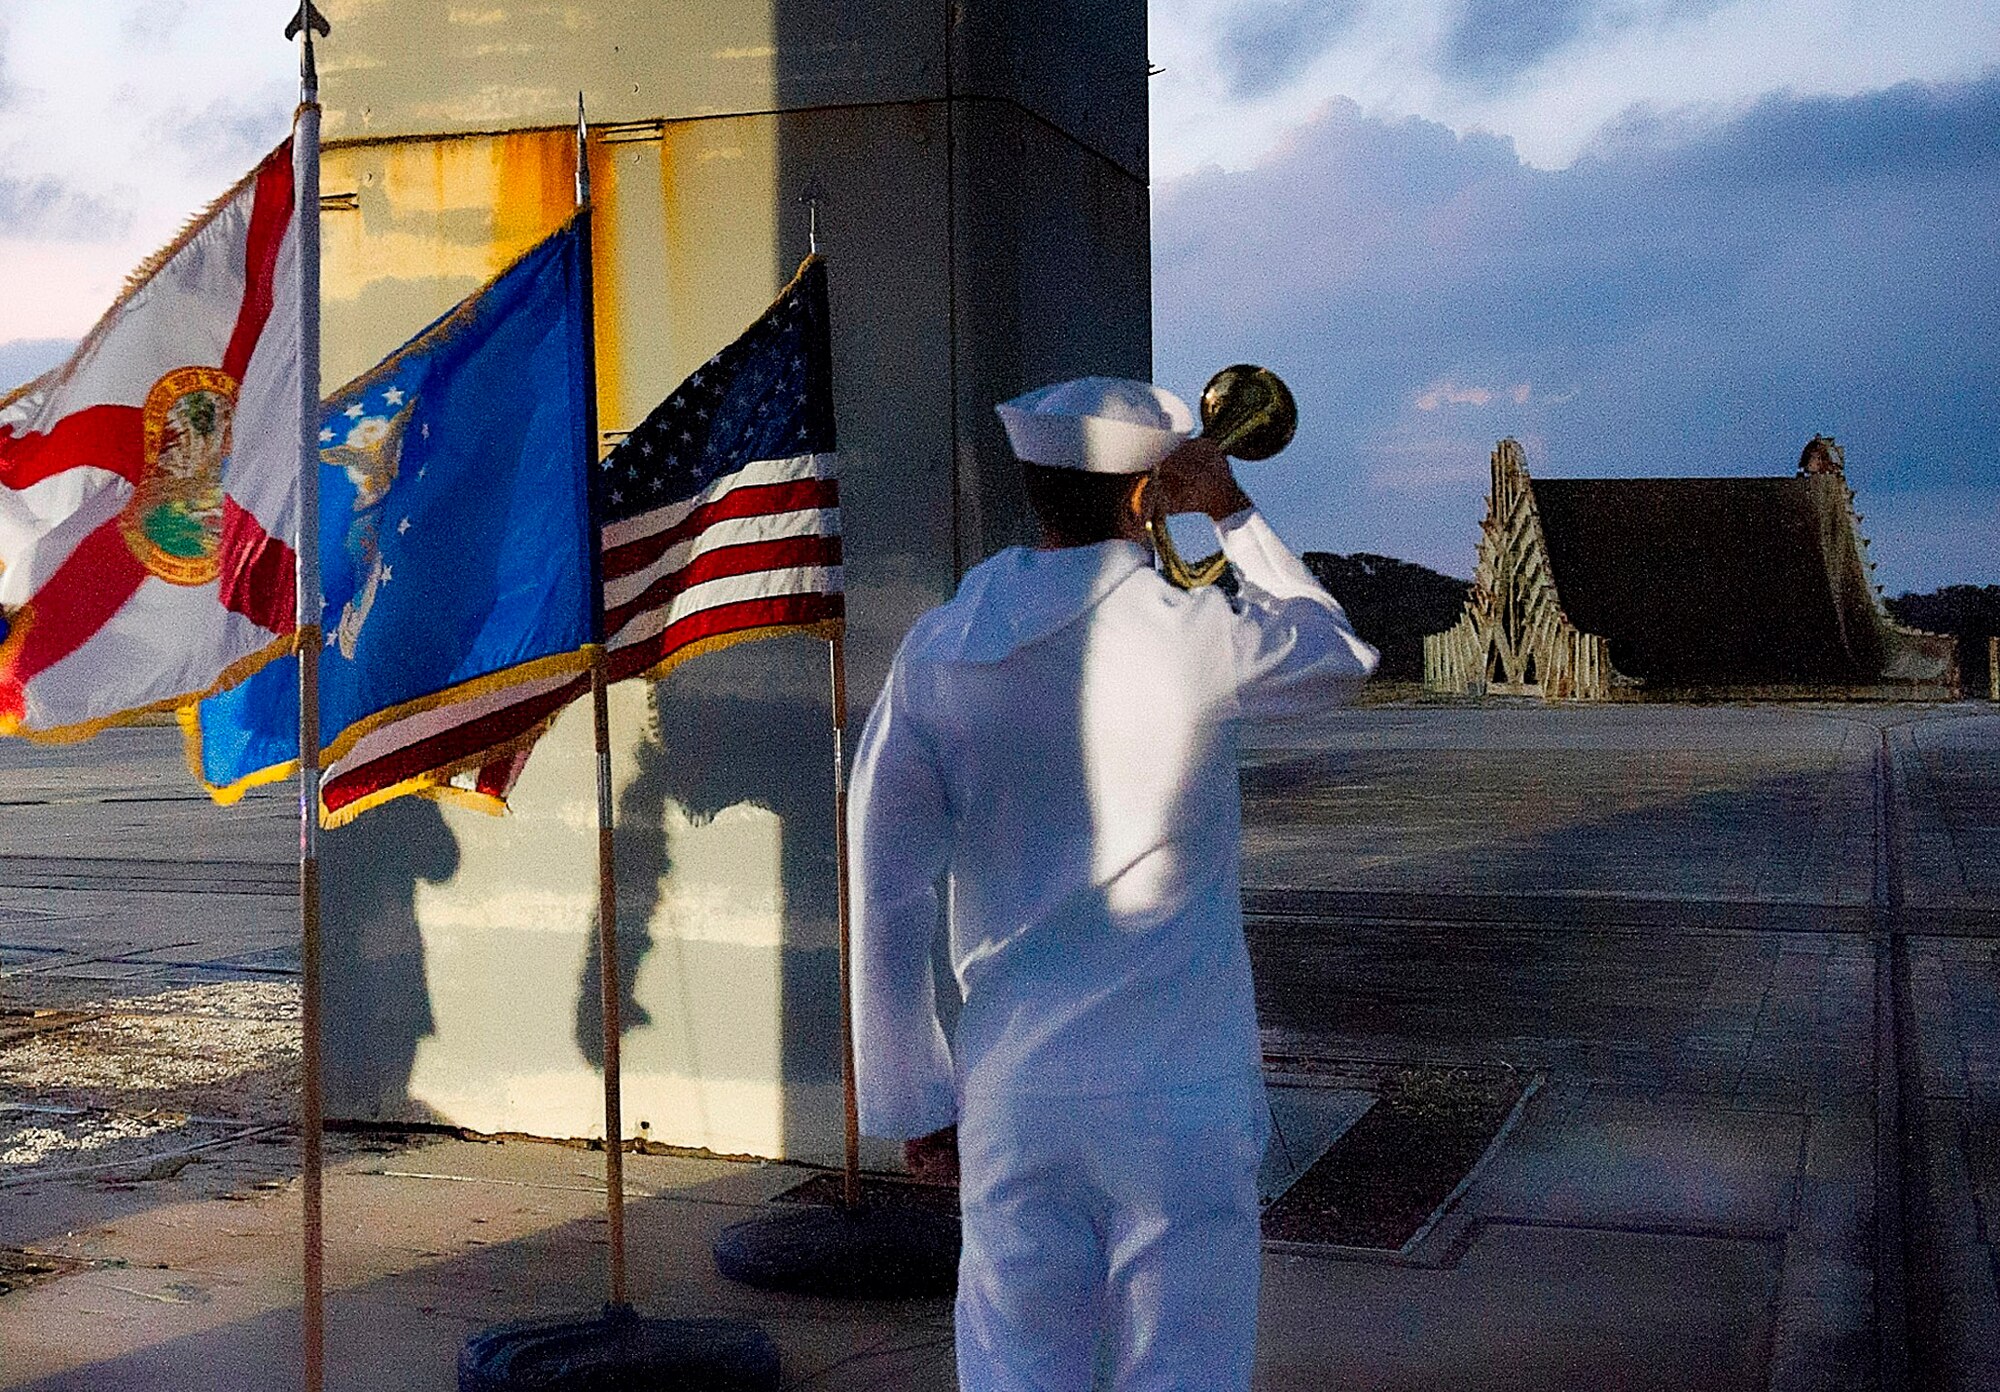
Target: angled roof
1715,581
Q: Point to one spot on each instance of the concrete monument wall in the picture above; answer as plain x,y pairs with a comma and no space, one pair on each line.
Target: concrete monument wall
981,173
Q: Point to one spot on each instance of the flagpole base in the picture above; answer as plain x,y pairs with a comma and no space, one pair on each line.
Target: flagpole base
618,1349
871,1251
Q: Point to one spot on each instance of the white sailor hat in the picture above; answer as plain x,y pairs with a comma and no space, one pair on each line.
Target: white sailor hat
1101,425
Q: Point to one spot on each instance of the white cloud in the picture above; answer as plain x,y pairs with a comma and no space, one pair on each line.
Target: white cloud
57,289
1694,298
1396,58
151,23
146,110
49,208
1447,392
1401,462
1451,394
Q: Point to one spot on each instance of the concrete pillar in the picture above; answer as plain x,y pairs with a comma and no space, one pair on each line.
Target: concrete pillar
981,167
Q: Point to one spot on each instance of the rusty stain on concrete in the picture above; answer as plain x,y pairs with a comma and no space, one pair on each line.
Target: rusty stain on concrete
606,289
434,220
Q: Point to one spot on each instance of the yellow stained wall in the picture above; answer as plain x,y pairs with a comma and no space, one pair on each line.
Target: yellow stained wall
503,937
432,220
670,291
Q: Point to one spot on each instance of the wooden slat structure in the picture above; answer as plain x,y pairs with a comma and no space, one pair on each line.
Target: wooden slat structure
1603,589
1514,638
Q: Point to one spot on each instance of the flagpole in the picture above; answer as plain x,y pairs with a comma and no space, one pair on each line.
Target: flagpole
836,653
312,1132
850,1187
600,712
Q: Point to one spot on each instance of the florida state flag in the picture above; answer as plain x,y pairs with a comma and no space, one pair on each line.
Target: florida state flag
149,485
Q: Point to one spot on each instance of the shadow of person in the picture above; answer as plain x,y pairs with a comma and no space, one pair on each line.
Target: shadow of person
378,1003
750,728
643,859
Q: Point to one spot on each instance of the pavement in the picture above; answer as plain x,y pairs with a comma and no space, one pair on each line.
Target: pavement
1746,953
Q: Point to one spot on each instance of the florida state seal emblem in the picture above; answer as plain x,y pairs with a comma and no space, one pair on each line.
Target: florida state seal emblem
173,523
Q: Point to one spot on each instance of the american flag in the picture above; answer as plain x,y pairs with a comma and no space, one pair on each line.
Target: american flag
719,514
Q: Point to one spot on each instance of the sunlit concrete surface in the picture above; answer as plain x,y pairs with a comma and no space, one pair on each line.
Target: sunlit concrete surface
1693,1198
426,1244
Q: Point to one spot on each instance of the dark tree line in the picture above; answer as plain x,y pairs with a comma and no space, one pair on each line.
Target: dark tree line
1392,604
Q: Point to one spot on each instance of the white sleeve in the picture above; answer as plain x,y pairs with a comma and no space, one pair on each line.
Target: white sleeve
898,835
1294,648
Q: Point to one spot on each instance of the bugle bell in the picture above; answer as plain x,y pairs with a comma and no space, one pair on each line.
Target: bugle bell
1249,413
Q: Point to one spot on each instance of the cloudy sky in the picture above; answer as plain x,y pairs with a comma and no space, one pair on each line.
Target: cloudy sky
1642,236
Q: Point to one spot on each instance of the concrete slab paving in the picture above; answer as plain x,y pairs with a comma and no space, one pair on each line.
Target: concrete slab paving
1526,1307
1624,1161
414,1272
1829,1269
1758,803
1674,915
114,828
427,1244
1943,795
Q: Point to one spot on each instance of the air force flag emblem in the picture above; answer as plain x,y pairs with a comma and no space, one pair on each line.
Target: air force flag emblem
370,460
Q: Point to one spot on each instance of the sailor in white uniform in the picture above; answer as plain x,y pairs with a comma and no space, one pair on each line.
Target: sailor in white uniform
1057,745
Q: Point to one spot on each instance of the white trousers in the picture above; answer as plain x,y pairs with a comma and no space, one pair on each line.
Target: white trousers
1131,1218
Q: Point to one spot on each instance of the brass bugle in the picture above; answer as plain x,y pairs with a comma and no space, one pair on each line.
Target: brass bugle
1249,413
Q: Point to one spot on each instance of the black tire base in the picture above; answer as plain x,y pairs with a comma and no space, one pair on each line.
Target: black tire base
870,1252
618,1350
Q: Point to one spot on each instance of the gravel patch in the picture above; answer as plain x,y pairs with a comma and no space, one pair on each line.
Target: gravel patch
220,1049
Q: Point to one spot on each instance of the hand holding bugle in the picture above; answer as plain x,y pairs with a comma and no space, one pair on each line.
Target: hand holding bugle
1246,411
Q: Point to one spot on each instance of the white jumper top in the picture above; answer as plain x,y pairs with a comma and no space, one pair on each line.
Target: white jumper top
1058,743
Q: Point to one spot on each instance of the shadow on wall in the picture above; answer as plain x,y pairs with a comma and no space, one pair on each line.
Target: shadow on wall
378,1003
921,256
704,753
740,728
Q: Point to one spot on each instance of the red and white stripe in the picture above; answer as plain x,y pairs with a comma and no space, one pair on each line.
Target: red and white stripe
95,634
423,742
757,549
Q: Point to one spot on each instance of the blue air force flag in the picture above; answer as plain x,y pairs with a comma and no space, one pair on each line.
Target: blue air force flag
454,534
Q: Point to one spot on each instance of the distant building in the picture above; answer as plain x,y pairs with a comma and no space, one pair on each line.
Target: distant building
1606,589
